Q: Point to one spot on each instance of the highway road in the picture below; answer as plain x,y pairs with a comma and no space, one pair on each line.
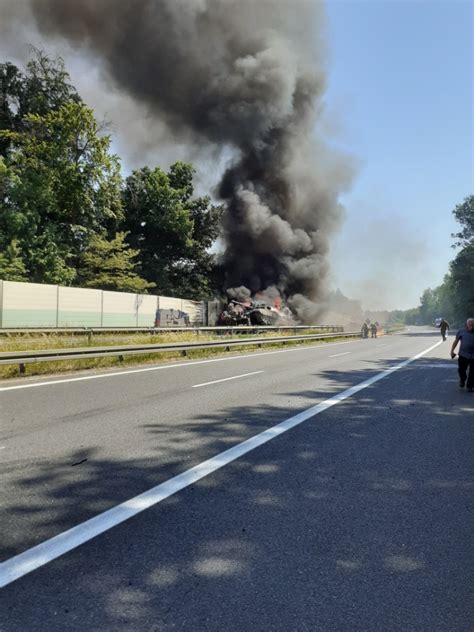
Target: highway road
316,488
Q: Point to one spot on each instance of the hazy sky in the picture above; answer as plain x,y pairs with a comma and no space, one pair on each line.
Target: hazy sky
401,102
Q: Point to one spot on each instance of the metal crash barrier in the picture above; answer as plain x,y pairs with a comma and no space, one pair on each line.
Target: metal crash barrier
22,358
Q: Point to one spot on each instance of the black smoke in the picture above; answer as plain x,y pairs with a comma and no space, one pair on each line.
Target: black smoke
244,75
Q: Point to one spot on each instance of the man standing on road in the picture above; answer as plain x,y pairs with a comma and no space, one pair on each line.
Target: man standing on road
444,326
466,355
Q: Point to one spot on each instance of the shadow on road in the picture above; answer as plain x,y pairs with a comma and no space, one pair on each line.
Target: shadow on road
355,520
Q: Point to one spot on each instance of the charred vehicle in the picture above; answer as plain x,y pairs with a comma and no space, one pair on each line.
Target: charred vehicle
252,313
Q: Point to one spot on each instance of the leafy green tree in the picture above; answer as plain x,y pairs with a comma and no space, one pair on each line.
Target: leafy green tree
11,80
462,284
60,185
172,230
395,317
12,267
428,306
43,86
110,264
464,213
444,295
412,316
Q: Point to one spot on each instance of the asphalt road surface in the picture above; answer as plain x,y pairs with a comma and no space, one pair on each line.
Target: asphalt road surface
352,511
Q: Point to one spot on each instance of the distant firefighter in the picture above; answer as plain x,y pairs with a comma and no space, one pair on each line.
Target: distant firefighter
373,330
443,326
365,330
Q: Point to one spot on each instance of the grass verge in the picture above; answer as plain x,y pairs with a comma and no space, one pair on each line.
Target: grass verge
66,366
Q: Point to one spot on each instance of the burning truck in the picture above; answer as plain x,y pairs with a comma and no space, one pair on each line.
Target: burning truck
252,313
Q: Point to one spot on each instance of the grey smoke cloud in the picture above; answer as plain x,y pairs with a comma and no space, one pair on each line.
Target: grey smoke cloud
244,77
382,259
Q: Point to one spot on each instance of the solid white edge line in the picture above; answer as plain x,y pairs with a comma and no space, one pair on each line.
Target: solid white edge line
226,379
171,366
336,355
47,551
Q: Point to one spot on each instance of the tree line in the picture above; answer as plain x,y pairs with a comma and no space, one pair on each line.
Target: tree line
68,217
454,298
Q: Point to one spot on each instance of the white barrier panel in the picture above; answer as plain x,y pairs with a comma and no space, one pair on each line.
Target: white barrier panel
42,305
29,304
79,307
147,306
119,309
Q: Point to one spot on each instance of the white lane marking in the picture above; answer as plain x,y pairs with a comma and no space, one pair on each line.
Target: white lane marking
336,355
226,379
39,555
384,344
171,366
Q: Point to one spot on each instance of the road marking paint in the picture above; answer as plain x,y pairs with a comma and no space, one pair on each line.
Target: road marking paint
336,355
384,344
170,366
226,379
47,551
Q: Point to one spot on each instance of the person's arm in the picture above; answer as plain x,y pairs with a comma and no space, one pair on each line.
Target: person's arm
455,344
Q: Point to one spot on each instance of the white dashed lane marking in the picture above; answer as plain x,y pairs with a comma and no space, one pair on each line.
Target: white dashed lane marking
226,379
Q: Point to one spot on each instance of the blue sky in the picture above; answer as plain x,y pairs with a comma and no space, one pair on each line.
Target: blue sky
400,102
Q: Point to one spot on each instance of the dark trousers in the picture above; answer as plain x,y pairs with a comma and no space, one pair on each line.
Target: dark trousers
463,365
443,334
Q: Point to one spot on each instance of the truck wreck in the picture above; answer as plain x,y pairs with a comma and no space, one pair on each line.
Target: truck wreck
251,313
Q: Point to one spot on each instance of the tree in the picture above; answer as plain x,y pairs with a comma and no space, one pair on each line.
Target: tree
11,80
60,186
412,316
444,295
462,283
464,213
462,267
428,306
12,267
43,87
172,230
111,265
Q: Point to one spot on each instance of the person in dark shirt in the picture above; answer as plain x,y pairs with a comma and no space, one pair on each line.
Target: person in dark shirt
444,326
466,355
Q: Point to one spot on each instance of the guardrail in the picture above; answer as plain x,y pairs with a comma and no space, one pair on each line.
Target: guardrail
90,331
395,329
48,355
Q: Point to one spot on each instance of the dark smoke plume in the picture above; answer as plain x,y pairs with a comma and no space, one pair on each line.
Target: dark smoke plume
245,75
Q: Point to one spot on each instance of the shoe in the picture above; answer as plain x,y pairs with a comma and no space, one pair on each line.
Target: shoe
461,384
